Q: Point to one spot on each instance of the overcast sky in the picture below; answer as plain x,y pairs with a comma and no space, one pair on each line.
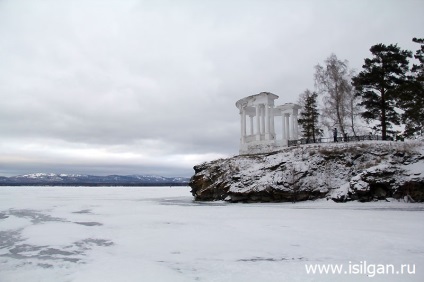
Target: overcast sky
149,87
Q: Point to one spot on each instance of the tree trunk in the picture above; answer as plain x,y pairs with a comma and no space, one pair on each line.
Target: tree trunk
340,120
339,104
352,118
383,114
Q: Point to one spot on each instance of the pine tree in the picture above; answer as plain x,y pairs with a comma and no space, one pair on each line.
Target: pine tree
309,115
412,99
379,84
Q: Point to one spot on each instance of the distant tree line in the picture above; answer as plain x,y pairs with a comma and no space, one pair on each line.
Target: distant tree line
387,91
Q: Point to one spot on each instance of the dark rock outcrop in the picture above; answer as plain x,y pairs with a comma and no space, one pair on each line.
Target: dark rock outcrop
342,172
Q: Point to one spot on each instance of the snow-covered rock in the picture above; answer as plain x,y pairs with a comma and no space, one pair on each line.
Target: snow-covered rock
361,171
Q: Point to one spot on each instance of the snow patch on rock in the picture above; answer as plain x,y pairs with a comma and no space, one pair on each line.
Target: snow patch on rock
350,171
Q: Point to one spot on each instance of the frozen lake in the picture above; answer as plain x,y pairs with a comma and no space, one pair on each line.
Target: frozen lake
160,234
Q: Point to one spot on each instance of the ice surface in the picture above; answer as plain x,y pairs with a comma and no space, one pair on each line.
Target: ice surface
160,234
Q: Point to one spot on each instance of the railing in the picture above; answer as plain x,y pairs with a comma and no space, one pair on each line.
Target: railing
339,139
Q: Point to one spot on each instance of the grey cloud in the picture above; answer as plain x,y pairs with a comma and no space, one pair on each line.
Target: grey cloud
160,79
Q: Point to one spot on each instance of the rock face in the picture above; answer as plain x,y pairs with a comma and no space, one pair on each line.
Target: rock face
350,171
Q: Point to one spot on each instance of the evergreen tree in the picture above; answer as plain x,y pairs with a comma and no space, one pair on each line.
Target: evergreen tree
379,84
412,99
309,115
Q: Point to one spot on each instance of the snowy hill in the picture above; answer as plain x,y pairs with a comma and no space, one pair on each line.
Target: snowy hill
78,179
362,171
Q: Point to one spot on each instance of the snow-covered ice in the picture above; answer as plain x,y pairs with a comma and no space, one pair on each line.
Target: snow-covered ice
160,234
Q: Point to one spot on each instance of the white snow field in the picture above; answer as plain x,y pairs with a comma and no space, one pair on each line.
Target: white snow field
160,234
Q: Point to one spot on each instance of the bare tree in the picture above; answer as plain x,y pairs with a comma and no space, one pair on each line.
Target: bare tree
353,109
333,82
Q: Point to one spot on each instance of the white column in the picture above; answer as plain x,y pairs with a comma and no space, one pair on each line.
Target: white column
284,126
292,127
262,119
251,125
296,127
267,122
271,117
243,125
287,126
258,123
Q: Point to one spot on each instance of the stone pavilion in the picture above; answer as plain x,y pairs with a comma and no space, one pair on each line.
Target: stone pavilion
258,114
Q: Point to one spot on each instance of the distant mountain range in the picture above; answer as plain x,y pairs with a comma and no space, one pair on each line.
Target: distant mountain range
52,179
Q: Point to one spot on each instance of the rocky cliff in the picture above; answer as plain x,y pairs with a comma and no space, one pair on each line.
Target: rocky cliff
363,171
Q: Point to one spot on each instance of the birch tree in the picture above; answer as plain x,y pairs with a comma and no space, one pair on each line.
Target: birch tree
333,82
